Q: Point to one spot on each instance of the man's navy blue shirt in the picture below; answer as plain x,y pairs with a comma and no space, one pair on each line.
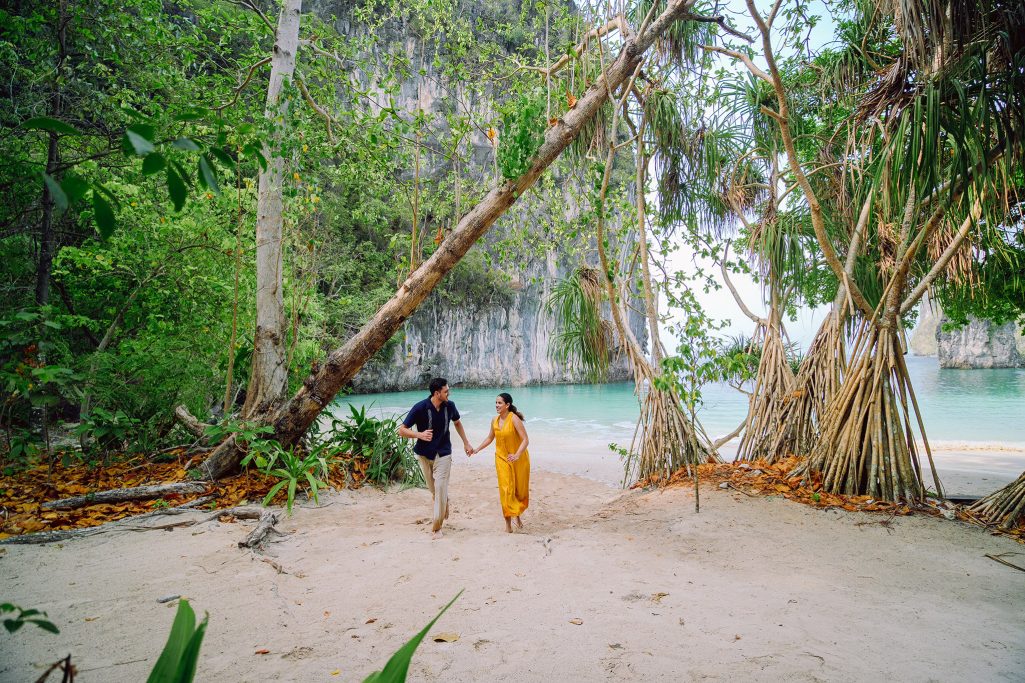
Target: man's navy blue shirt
425,416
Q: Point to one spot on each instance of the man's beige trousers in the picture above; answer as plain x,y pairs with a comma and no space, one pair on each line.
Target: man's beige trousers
436,473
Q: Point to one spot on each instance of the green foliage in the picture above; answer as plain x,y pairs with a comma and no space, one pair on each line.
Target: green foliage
244,431
293,466
397,667
107,430
583,339
177,661
523,131
390,456
474,283
19,617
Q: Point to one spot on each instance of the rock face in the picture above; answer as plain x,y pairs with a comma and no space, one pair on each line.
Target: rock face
474,343
979,344
499,346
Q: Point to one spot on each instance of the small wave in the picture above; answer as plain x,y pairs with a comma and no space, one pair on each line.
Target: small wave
988,446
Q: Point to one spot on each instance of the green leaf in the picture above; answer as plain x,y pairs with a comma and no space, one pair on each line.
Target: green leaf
53,125
140,139
182,644
273,492
207,175
223,157
190,656
153,163
176,188
191,115
46,626
398,666
74,187
188,144
103,214
60,199
254,151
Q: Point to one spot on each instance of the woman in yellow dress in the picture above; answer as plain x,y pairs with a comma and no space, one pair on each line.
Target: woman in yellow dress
512,462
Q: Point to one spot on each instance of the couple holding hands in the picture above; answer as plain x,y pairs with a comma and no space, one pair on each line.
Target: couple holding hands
432,416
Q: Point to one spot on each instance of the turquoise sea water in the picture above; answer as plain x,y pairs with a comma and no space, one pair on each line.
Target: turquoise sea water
962,407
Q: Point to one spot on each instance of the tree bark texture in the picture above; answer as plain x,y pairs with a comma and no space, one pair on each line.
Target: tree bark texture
122,495
341,366
268,378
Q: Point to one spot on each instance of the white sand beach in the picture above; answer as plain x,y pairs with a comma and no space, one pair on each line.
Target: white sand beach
752,589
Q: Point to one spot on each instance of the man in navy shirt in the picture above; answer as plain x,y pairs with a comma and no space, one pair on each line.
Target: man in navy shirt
432,417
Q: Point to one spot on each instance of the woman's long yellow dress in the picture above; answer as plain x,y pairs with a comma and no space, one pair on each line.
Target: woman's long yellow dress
513,477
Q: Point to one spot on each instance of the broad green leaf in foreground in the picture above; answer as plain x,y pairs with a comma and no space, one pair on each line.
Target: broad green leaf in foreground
398,666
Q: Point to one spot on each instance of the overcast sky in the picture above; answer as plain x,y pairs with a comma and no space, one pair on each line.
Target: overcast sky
720,304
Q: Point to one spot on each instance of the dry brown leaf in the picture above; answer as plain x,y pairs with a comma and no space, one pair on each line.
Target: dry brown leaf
446,637
578,622
657,597
262,652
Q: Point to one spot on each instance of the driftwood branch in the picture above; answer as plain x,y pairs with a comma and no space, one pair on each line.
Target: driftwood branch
122,495
191,423
268,518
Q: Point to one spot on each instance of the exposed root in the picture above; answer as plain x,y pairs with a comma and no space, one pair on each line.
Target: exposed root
774,384
1004,508
867,445
817,381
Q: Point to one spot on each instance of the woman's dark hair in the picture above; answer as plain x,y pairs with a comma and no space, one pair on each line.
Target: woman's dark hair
512,409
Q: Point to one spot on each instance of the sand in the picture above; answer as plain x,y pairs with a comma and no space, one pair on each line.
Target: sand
750,589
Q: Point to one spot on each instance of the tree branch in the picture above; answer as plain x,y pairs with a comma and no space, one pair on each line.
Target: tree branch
239,89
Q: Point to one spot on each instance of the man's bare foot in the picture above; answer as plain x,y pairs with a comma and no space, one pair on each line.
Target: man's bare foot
435,535
519,523
508,525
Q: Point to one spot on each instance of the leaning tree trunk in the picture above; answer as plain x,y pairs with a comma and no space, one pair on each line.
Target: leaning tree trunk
1004,508
294,418
268,378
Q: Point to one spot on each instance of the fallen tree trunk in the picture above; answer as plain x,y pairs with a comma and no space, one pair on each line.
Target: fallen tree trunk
295,417
130,524
122,495
191,423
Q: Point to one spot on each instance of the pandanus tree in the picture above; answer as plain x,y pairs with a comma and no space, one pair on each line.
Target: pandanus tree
934,145
671,138
295,417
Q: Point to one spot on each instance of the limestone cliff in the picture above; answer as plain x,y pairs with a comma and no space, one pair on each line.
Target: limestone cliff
495,341
979,344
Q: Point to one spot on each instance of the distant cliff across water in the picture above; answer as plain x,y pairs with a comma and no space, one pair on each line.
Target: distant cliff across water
979,344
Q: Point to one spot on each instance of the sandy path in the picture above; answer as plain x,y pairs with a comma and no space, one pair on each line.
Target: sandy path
750,589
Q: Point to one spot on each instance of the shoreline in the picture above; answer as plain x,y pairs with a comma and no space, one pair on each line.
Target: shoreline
962,472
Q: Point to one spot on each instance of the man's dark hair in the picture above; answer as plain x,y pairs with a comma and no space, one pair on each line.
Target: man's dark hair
437,384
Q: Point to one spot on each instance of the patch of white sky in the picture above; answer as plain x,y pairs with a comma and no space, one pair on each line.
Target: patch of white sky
720,304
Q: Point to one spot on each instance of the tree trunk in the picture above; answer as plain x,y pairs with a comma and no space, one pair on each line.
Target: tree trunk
342,365
47,239
122,495
268,378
